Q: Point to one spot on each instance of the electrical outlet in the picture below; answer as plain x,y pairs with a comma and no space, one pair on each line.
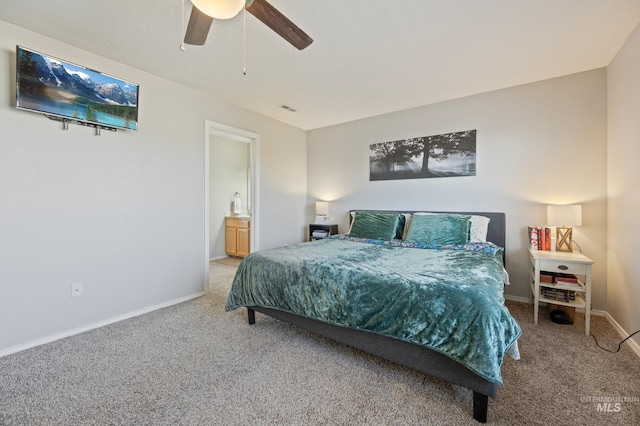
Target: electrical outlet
76,289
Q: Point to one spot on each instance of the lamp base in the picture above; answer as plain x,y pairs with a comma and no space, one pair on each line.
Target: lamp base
563,238
323,219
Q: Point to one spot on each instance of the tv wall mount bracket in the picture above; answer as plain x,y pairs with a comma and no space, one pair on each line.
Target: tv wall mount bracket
66,121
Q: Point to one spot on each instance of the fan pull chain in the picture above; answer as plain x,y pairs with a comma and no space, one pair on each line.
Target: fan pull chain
182,46
244,41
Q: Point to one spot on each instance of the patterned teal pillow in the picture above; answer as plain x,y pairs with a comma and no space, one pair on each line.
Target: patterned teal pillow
444,229
377,225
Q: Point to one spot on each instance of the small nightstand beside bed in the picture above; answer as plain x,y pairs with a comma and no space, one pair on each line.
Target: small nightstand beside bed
409,287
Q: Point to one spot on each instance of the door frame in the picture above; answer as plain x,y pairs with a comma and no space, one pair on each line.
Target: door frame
253,139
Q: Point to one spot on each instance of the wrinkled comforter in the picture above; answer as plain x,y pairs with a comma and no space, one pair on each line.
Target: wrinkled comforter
449,299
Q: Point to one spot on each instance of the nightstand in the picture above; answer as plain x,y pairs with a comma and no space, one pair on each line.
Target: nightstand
319,231
564,263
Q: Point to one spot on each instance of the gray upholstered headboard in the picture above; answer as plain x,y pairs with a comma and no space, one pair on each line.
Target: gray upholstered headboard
497,223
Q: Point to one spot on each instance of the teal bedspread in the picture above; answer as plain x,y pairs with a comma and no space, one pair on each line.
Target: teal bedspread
449,299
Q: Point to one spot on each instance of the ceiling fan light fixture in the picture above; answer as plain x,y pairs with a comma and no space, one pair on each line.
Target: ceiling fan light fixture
219,9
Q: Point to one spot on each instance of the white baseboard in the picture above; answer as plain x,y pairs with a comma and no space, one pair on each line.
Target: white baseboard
528,301
95,325
211,259
517,298
623,333
634,346
595,312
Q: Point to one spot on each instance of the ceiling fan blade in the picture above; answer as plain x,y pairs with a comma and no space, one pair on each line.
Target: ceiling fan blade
198,27
279,23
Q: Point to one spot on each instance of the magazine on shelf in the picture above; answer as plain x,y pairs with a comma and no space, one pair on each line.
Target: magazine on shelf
569,286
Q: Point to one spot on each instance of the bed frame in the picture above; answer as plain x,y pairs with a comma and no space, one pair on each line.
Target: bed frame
407,354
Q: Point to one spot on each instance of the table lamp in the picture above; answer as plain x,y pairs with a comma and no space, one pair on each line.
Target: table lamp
322,213
563,217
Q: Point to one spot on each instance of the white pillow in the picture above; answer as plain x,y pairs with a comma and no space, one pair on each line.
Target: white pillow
407,219
353,216
479,228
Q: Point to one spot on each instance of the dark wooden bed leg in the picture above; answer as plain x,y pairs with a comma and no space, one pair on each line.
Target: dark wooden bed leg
252,316
480,405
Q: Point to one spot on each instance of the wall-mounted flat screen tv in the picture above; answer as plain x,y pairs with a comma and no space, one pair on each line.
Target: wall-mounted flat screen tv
65,91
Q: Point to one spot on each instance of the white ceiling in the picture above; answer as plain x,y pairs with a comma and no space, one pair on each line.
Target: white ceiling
368,57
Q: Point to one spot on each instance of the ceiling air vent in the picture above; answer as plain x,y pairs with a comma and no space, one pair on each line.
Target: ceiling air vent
287,107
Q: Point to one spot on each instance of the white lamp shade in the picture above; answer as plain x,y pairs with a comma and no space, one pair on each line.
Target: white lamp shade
219,9
570,215
322,208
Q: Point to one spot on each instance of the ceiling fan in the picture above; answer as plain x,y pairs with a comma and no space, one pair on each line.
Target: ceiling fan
205,11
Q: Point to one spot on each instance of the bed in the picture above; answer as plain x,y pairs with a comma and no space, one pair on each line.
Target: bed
369,289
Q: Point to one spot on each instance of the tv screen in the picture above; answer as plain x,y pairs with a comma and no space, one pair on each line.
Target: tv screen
65,91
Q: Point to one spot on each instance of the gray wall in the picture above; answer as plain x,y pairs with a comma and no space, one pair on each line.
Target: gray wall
122,213
623,192
536,144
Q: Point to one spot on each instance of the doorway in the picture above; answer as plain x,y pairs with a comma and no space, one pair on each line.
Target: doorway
227,150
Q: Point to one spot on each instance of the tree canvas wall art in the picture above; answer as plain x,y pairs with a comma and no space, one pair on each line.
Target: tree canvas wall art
446,155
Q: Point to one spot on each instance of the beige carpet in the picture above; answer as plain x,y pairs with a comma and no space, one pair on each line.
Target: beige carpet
194,364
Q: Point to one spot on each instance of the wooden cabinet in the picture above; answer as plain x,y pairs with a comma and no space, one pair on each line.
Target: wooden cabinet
237,236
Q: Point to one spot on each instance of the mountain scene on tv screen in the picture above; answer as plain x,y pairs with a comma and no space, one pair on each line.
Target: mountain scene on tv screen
52,86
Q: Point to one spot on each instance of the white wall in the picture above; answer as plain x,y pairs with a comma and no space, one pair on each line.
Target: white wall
228,168
122,213
536,144
623,296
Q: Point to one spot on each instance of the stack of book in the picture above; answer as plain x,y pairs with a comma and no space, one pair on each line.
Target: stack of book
539,237
564,286
558,294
